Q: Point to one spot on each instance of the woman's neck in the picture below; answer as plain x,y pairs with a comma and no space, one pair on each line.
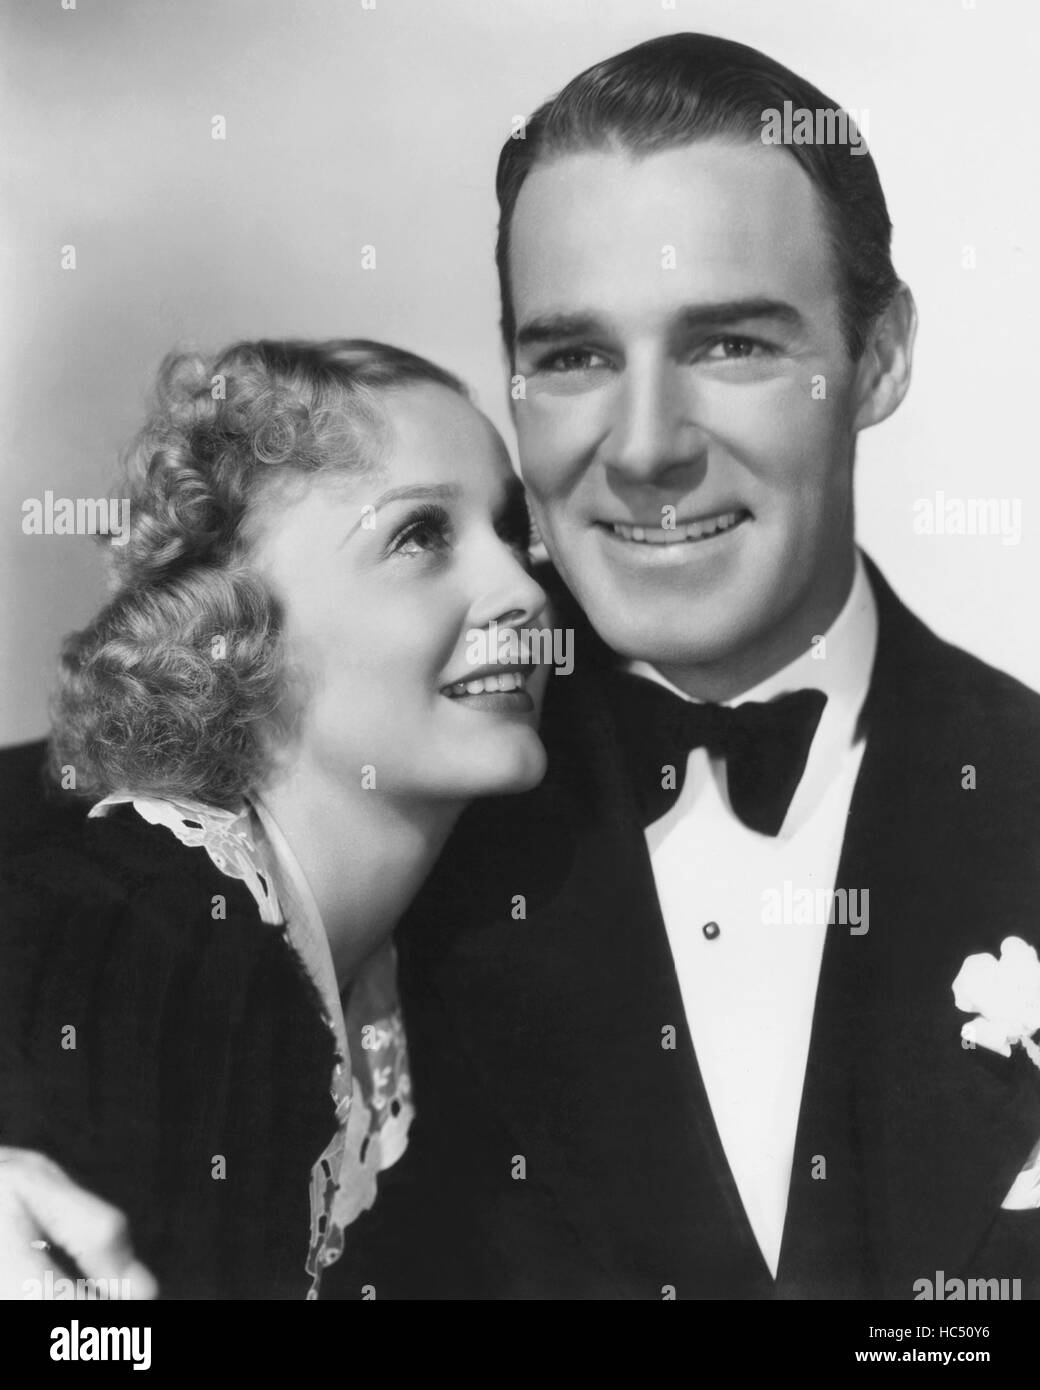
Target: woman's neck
364,854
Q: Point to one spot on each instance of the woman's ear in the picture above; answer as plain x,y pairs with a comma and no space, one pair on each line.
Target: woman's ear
883,372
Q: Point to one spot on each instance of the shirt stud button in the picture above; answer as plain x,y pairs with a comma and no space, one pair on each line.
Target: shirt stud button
711,930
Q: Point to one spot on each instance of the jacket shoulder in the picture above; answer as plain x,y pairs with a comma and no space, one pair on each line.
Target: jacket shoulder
949,693
113,923
146,1027
83,869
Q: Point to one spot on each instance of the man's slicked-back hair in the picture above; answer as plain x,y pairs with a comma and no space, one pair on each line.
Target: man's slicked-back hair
672,91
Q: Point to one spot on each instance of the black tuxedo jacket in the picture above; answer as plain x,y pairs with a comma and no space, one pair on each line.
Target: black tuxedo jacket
561,1151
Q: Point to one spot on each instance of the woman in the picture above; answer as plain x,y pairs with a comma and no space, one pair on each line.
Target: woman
276,721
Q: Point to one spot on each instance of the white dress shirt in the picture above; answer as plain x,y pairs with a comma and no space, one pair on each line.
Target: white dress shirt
749,984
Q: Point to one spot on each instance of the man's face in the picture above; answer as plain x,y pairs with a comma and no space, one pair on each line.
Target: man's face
690,413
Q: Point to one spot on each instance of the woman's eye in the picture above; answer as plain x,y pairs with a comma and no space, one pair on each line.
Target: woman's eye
425,531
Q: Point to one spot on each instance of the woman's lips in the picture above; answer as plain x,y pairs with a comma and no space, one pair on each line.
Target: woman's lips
487,683
497,702
498,692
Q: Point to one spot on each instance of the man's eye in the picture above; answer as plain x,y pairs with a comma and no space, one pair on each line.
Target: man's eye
734,349
427,529
571,360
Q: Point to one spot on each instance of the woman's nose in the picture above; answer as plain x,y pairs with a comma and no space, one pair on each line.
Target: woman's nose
515,599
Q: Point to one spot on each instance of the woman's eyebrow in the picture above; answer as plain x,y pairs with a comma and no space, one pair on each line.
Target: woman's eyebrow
427,492
446,492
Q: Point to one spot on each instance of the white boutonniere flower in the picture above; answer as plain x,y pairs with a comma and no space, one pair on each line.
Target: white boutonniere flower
1005,994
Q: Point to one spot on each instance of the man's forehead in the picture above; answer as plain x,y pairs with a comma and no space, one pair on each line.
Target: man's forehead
734,218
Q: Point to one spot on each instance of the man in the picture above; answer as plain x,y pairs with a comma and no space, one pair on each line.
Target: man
646,1063
639,1073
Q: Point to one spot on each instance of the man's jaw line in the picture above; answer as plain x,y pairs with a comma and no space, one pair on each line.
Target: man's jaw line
731,676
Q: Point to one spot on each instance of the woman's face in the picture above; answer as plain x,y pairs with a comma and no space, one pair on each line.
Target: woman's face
382,578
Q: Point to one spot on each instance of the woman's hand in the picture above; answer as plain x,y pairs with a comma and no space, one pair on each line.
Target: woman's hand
44,1215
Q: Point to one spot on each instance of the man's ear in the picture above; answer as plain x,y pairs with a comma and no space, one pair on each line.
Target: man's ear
883,372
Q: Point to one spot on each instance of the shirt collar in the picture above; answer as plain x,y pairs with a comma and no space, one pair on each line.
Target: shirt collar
306,932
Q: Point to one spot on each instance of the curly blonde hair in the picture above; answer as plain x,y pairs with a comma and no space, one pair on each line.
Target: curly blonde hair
169,691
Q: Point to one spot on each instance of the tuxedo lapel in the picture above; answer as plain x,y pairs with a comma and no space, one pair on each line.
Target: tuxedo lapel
574,1019
921,1138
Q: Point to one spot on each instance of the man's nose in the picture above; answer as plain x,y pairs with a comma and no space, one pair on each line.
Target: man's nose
654,430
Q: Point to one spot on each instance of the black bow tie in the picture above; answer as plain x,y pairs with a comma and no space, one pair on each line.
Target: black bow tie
765,746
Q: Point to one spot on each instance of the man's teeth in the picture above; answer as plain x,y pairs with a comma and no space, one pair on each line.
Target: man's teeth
486,685
672,535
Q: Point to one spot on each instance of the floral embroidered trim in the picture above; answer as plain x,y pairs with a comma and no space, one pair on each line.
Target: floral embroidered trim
224,835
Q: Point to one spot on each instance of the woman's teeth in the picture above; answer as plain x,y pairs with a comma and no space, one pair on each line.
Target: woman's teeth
486,685
690,531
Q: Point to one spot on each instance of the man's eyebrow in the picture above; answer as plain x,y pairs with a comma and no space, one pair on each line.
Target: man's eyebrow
730,311
427,492
551,327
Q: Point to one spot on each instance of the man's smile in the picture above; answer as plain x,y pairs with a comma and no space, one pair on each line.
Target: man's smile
704,528
687,542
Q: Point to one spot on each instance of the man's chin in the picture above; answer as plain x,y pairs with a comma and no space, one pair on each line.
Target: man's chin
670,655
672,630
